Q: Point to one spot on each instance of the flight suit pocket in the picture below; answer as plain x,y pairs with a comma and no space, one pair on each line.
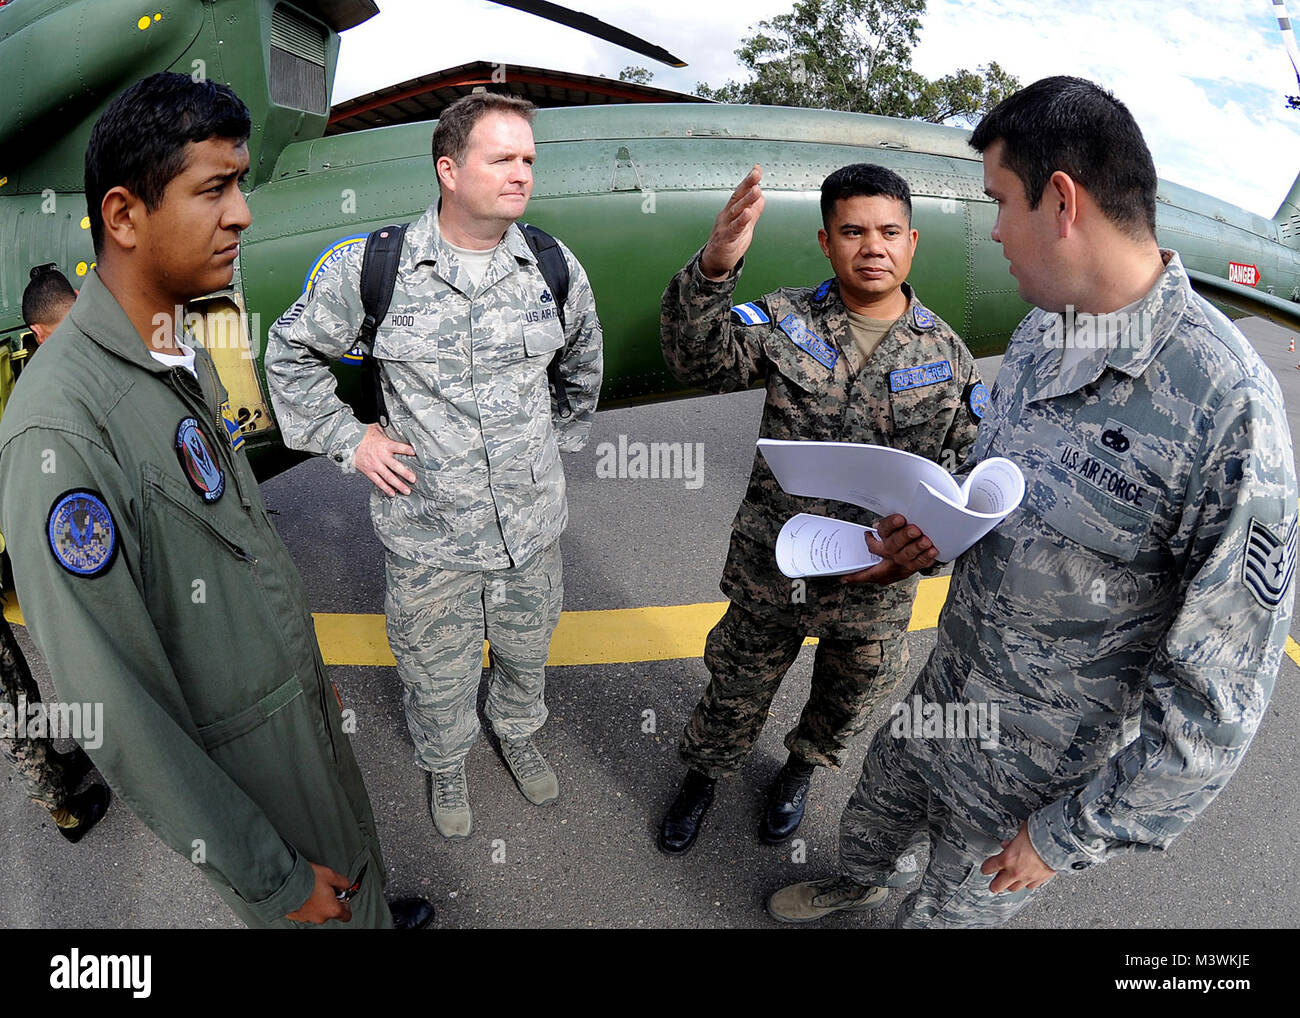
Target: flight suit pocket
218,733
202,584
1029,736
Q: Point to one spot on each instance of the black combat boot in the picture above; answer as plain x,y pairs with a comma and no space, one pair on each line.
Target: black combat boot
83,812
682,821
411,913
786,801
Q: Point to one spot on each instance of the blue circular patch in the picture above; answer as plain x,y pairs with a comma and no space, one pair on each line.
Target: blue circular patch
821,291
199,461
81,532
979,400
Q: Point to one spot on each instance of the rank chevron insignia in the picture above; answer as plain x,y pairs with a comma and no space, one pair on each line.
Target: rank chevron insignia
1268,563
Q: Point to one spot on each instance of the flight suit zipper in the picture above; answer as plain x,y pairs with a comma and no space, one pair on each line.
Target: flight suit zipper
185,384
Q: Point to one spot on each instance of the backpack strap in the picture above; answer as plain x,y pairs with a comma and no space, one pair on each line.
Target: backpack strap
378,276
555,270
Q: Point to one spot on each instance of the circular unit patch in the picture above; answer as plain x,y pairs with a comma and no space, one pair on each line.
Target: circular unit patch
81,532
199,461
979,400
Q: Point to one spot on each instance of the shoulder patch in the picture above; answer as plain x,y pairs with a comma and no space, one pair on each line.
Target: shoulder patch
750,314
199,461
821,291
922,318
1268,562
323,261
977,398
921,375
81,532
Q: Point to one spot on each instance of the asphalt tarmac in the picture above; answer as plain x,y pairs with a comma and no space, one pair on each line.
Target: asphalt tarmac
589,860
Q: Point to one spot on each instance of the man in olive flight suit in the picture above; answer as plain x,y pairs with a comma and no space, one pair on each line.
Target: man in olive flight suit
1127,621
858,359
151,575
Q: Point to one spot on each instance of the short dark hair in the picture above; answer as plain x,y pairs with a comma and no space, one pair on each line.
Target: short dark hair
451,136
865,180
139,141
1077,127
47,296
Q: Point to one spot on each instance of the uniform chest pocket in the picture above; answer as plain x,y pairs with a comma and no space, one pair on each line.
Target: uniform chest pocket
800,369
206,596
921,418
541,331
915,407
1068,567
168,503
397,341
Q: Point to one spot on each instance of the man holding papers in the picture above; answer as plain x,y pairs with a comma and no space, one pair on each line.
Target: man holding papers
1128,619
856,359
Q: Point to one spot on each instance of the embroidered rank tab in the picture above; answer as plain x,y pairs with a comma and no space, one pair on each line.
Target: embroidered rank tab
1267,563
921,375
809,342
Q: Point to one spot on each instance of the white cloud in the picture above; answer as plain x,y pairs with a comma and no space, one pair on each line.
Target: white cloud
1183,67
1180,66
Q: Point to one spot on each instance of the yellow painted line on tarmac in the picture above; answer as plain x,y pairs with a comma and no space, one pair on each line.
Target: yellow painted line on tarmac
1293,650
614,636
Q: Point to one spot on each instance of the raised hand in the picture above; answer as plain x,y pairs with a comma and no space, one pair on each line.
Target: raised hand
733,230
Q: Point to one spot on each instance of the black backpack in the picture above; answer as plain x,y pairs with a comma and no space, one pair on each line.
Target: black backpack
379,274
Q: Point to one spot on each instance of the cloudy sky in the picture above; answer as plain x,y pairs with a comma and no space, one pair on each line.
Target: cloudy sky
1206,81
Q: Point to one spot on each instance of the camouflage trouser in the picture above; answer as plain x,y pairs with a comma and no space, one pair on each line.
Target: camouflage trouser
437,621
42,771
748,653
890,817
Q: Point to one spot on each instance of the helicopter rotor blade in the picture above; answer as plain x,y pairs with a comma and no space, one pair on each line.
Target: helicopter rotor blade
1288,35
594,27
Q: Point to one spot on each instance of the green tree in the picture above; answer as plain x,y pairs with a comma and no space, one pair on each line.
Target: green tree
636,75
856,55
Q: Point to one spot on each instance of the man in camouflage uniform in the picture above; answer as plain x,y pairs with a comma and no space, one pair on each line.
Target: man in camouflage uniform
49,778
472,519
858,359
1129,619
